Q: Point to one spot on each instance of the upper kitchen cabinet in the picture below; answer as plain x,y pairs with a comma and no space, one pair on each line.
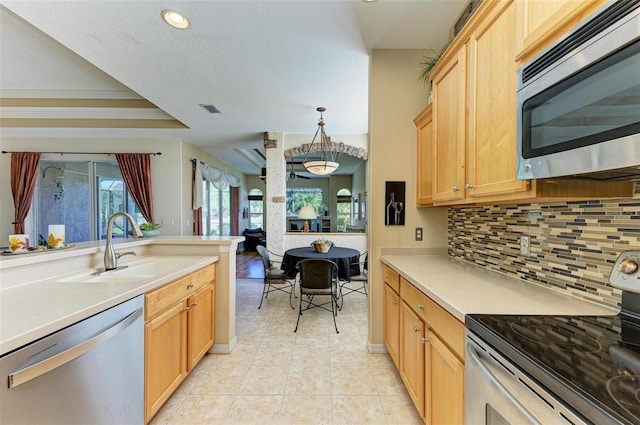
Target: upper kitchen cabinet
449,83
424,125
540,23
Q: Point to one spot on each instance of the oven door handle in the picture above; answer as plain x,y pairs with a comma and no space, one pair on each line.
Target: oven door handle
475,357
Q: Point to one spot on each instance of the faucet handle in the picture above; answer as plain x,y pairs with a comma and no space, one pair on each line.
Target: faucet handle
118,255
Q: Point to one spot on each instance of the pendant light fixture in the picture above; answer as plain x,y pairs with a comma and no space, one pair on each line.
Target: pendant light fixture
327,163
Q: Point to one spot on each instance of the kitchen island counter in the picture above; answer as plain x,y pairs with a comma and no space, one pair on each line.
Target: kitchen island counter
464,288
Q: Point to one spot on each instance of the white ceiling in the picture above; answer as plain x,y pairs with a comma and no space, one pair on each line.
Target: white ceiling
266,65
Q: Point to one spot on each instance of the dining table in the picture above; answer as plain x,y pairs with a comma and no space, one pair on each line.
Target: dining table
347,259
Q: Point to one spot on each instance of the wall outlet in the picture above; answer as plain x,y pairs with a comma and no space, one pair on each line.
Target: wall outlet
418,233
525,248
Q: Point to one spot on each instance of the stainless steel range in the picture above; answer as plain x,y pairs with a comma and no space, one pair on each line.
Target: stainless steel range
558,369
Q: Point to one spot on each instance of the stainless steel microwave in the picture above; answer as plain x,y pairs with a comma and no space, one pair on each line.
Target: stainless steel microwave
578,102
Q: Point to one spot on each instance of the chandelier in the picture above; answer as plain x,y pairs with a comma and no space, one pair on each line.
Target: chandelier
327,163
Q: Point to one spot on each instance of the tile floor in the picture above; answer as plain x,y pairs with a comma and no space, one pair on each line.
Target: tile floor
276,376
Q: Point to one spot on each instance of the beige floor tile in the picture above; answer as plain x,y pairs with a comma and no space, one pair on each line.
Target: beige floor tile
388,382
310,353
166,412
306,409
242,354
309,380
400,410
358,410
202,409
274,354
221,379
349,380
254,410
349,355
265,380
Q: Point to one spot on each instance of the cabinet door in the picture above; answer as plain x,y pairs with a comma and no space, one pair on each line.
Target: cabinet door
165,356
412,332
491,150
200,325
424,126
391,327
449,128
444,383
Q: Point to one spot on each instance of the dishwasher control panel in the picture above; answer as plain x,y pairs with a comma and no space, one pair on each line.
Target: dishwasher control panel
625,273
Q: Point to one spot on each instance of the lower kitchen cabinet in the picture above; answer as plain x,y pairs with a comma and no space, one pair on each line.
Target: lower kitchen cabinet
391,313
430,351
179,330
412,350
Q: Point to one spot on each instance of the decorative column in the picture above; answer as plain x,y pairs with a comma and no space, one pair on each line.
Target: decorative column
276,191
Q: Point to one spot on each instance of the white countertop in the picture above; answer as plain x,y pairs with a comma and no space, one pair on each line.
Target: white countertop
463,288
34,310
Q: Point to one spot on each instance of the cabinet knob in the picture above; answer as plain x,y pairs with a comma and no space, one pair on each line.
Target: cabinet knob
425,340
456,189
420,307
394,302
416,329
468,186
195,303
190,285
186,309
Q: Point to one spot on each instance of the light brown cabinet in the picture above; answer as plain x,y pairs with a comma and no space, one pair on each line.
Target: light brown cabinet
178,332
424,124
474,111
391,313
430,350
540,23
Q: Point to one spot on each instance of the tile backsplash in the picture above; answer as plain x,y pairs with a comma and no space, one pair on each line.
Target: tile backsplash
573,244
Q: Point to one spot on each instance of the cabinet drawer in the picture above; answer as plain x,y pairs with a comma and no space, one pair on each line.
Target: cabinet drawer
160,299
391,278
443,323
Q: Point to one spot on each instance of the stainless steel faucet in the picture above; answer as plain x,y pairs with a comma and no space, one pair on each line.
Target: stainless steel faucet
110,257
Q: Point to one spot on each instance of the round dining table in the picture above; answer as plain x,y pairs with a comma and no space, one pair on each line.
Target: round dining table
346,258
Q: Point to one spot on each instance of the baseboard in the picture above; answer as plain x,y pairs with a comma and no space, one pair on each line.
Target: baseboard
224,348
376,348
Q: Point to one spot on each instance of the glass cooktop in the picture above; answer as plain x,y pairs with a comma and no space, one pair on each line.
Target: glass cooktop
592,363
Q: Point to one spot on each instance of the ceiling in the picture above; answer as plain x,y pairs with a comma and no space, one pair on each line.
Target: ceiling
115,69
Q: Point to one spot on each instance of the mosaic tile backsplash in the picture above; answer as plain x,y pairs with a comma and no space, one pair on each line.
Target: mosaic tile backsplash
573,244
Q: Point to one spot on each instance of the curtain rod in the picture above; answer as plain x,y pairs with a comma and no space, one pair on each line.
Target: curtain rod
91,153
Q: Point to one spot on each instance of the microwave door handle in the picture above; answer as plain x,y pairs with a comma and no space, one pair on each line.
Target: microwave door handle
26,374
473,355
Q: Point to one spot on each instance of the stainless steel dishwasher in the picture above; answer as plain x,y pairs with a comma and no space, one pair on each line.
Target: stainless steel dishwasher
91,372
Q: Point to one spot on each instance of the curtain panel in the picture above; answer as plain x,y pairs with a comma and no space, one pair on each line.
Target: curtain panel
24,168
136,173
235,210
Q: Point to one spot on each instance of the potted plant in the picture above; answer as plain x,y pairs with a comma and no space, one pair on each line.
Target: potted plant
426,65
150,230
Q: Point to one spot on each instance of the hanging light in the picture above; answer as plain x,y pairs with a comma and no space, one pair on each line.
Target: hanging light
327,163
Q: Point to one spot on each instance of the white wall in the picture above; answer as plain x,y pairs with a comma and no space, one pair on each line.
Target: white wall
396,97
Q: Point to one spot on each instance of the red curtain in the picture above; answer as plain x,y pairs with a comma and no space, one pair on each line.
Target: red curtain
24,168
197,222
136,173
235,211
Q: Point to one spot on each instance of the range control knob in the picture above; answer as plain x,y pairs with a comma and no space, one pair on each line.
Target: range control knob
628,266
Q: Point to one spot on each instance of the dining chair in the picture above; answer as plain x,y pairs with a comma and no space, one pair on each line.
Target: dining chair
318,277
357,283
274,278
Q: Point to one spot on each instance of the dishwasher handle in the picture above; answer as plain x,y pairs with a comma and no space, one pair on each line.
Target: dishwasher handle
473,355
26,374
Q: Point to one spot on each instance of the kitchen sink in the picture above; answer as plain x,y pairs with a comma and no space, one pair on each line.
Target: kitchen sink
144,269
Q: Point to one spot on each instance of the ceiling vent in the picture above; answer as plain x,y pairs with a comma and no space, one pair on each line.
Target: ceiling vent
211,109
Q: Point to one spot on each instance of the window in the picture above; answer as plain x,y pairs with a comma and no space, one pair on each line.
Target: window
256,209
216,210
343,207
297,197
82,195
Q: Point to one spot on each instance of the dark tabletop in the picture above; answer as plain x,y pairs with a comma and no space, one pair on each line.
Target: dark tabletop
346,259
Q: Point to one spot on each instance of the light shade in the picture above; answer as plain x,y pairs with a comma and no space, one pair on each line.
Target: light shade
321,167
307,212
327,163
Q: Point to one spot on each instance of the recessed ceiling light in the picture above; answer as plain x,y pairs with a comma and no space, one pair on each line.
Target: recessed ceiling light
175,19
369,1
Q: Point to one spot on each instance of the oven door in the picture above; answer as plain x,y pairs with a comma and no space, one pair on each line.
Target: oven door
498,393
